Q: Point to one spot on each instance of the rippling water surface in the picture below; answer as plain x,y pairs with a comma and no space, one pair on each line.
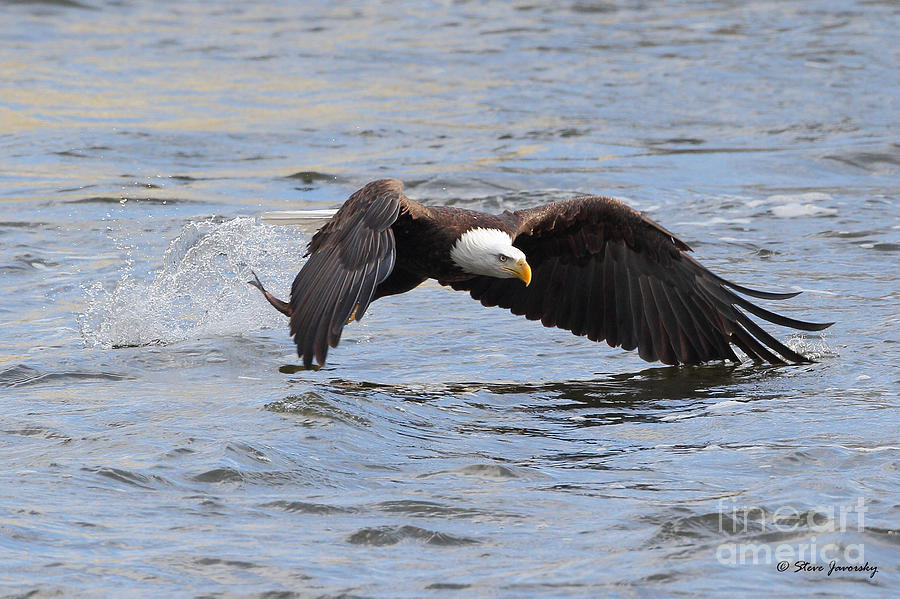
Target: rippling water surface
157,438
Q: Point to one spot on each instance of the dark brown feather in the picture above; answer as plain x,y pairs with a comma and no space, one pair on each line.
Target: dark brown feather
348,258
636,287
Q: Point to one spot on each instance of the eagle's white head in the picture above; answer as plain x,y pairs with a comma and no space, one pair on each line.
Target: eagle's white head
490,252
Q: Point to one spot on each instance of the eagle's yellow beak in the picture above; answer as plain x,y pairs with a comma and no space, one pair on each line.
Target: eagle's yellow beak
522,271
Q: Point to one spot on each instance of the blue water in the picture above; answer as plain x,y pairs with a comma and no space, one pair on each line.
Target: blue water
158,440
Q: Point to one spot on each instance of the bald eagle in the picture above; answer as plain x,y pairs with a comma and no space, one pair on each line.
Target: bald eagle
591,265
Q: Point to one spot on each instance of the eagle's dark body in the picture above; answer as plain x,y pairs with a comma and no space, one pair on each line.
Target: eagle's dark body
600,269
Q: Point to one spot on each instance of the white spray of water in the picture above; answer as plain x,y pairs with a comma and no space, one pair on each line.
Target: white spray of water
800,205
201,289
814,348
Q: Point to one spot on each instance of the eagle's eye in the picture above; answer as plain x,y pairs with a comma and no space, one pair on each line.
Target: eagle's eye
502,258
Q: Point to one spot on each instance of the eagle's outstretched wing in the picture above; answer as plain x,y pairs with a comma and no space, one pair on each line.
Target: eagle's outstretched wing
602,269
348,258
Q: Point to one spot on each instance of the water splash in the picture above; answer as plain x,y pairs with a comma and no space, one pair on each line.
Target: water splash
201,289
814,348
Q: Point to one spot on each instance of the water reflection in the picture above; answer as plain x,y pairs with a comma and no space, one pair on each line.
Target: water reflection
643,388
426,411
